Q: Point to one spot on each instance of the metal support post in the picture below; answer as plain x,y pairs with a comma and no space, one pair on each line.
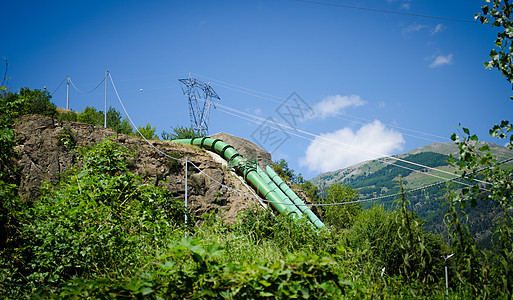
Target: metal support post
105,114
446,275
186,167
67,94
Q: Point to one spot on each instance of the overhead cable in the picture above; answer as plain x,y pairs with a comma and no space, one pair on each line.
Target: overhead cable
269,97
346,146
389,11
59,86
265,200
87,91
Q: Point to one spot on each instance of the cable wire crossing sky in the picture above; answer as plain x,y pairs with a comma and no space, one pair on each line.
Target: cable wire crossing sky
386,76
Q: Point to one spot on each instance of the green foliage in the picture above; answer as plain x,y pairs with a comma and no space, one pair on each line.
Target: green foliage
397,245
114,122
91,116
36,102
281,168
191,270
100,220
417,258
181,132
291,235
340,216
10,107
312,192
148,132
65,138
500,16
69,116
124,127
477,162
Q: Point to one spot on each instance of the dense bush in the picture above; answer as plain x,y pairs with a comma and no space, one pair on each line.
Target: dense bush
100,220
180,132
190,270
90,115
340,216
290,235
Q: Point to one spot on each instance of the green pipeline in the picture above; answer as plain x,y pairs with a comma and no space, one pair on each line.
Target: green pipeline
294,198
271,187
249,173
291,207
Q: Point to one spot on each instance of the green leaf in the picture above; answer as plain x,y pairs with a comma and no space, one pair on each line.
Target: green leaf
484,148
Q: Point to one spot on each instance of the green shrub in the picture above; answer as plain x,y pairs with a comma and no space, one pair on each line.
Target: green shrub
147,132
69,116
101,220
180,132
65,138
37,102
340,216
291,235
191,270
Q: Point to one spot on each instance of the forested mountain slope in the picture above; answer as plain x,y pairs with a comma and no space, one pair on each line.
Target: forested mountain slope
380,177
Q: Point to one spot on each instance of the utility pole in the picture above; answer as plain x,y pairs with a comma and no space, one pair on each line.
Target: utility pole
446,276
67,94
186,197
105,122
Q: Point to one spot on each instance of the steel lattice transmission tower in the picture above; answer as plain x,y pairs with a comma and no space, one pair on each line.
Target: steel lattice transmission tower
201,96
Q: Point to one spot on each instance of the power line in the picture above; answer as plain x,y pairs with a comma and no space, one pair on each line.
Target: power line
389,11
71,81
327,144
269,201
59,86
5,74
280,126
269,97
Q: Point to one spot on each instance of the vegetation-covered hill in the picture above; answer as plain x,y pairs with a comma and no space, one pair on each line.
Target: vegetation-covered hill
381,177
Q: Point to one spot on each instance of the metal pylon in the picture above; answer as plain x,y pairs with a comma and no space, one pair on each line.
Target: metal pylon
200,96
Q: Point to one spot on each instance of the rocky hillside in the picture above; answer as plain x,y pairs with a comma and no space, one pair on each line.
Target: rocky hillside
47,148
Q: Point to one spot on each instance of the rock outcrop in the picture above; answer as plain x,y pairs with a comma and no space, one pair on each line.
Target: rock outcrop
43,156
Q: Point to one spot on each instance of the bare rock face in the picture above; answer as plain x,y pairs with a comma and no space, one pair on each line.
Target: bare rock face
246,148
44,156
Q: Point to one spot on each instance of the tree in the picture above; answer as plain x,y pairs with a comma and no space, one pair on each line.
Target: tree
475,161
125,127
180,132
148,132
36,102
113,119
341,216
91,116
281,168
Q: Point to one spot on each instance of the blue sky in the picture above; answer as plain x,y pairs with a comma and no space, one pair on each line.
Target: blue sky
369,83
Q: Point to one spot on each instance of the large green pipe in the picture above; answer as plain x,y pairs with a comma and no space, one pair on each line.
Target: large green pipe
292,196
284,199
249,173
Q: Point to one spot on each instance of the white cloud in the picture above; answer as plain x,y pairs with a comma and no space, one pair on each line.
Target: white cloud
438,28
405,4
333,105
418,27
413,28
441,60
331,151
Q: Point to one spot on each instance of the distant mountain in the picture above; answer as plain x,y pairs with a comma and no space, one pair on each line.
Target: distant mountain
380,177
